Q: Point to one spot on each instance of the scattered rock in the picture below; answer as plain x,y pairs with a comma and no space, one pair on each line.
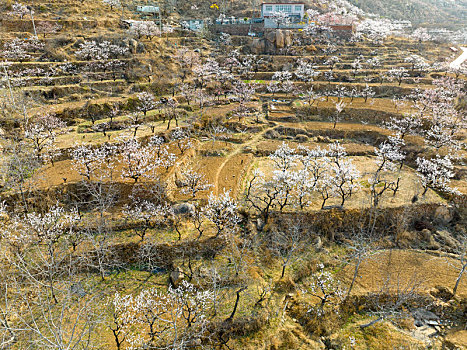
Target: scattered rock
179,183
424,315
442,292
323,139
433,245
426,234
301,138
424,332
270,36
133,45
175,277
272,134
140,48
318,243
78,42
418,323
280,39
78,289
158,270
259,224
446,238
442,215
247,149
405,239
287,67
288,37
183,209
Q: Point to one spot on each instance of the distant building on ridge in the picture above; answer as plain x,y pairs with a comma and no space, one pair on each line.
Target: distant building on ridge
296,11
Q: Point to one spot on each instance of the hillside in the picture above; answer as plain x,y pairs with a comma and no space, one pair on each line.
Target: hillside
428,13
163,188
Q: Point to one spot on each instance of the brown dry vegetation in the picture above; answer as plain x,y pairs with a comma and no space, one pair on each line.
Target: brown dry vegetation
416,242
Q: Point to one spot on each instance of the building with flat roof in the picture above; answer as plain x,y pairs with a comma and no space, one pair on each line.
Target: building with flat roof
294,10
148,9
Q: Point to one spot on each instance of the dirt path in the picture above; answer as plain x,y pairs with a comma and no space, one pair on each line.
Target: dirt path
459,60
235,152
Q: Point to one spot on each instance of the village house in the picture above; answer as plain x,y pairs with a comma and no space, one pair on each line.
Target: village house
148,10
343,30
295,12
193,24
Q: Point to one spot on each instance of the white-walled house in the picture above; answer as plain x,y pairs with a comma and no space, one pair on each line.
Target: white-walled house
295,10
148,9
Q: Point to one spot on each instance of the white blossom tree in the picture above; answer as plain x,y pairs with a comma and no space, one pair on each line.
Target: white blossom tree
408,124
175,319
336,116
192,182
397,74
146,102
280,18
42,132
182,140
93,50
112,3
138,161
222,211
306,71
435,174
389,159
144,215
327,288
94,162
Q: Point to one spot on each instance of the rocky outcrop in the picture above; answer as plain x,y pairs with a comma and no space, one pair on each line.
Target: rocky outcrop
258,46
283,38
272,41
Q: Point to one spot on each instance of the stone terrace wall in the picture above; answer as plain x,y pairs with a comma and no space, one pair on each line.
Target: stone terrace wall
238,29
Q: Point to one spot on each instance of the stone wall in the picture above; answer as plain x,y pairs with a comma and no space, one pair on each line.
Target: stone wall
238,29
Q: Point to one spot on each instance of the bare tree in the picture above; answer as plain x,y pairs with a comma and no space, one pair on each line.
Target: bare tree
361,247
461,251
288,242
17,170
53,308
388,303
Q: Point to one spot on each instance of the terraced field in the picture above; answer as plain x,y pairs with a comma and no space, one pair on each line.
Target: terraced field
279,196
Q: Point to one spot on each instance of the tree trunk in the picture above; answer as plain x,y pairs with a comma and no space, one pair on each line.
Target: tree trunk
357,266
454,291
363,326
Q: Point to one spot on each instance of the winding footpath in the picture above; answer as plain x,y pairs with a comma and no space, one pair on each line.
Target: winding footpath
459,60
235,152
